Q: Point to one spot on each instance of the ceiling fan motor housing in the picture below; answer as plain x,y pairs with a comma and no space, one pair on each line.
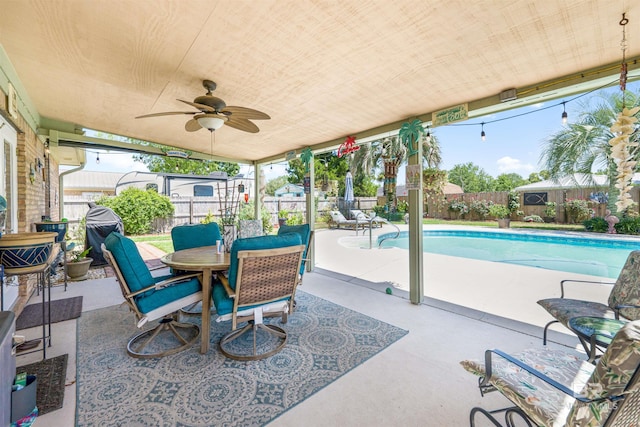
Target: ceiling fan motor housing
213,102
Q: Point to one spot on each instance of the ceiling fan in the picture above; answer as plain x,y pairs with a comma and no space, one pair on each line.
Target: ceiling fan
214,112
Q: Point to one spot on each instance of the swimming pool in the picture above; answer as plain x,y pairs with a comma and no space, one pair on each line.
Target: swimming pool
564,252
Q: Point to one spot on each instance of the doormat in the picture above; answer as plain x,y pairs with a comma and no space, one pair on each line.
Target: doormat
61,309
51,375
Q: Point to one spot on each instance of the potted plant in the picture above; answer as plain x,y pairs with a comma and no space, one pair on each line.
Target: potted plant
78,265
283,215
549,212
501,213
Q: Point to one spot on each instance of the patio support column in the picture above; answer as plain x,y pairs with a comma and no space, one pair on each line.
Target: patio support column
311,215
416,283
257,182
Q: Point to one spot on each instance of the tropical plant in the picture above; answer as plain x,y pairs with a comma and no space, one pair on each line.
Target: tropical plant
283,213
480,208
550,210
596,225
583,146
458,206
370,158
499,211
577,210
78,256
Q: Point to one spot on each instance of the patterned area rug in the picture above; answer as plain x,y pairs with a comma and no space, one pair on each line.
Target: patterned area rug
325,341
51,375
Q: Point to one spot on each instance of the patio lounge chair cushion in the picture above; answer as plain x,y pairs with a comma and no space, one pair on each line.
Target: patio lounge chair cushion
195,236
224,304
614,375
137,276
304,231
625,292
338,219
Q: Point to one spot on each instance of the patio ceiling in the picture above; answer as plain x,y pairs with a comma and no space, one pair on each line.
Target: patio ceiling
322,70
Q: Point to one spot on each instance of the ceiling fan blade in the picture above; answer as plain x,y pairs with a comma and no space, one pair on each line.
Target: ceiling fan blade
168,113
242,124
245,113
192,126
201,107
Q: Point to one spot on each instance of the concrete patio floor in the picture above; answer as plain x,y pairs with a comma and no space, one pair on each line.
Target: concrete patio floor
417,381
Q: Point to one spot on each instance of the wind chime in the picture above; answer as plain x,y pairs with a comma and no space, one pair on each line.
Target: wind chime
390,174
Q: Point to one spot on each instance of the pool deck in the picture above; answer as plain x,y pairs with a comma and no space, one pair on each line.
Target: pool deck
502,289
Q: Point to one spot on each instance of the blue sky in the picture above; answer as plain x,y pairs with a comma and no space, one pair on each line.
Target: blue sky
513,144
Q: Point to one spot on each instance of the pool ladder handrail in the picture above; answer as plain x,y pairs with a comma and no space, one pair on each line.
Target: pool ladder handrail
379,219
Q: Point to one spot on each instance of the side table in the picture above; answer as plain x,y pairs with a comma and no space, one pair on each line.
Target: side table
595,333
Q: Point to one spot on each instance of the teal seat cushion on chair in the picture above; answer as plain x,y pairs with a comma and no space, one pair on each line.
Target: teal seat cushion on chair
133,268
195,236
304,231
224,304
159,297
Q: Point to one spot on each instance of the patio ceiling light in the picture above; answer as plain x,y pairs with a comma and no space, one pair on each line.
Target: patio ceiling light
564,113
483,136
209,121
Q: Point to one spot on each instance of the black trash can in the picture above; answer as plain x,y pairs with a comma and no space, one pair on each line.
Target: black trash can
100,221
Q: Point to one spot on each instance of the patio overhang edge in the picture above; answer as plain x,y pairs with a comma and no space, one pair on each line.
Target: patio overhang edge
573,84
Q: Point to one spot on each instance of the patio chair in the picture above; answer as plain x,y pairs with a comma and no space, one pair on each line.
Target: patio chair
306,237
559,388
195,235
250,228
357,214
152,298
262,282
338,220
624,299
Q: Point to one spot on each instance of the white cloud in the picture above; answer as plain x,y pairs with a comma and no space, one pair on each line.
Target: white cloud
509,164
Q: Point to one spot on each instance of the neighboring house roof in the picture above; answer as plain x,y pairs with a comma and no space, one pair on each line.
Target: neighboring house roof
449,188
289,189
91,181
578,180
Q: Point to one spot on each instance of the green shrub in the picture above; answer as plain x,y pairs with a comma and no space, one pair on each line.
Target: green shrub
513,203
480,208
499,211
628,225
403,206
138,208
459,207
379,210
296,218
578,210
596,225
550,210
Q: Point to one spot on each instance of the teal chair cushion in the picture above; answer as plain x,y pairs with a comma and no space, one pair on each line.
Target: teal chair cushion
195,236
137,275
134,270
304,230
224,304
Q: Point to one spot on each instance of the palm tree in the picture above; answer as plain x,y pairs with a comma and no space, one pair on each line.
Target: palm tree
583,146
392,152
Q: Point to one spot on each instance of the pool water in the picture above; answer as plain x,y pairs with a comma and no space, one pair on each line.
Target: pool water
576,254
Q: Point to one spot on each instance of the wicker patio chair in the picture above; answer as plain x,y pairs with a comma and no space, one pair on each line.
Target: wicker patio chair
624,299
152,298
262,281
559,388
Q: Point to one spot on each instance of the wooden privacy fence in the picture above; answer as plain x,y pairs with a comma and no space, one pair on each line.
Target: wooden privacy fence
531,202
191,210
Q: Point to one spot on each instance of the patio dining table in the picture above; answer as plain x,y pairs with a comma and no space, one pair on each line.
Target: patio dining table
207,260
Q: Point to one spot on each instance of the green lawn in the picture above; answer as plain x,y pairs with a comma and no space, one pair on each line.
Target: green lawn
160,241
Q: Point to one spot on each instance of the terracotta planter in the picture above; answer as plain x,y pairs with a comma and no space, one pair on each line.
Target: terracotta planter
78,270
23,250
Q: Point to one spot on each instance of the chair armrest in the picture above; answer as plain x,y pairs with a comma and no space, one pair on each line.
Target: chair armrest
225,283
537,374
580,281
177,279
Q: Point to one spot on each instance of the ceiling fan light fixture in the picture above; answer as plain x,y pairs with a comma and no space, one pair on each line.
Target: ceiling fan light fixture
210,122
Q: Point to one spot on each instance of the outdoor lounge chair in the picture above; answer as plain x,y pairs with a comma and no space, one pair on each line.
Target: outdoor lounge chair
338,220
558,388
624,299
262,281
375,221
152,298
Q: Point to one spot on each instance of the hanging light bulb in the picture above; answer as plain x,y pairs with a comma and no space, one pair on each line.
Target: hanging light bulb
483,136
564,113
428,137
271,168
98,158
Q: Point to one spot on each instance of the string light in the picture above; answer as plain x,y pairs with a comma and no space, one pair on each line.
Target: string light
428,136
564,113
483,136
97,158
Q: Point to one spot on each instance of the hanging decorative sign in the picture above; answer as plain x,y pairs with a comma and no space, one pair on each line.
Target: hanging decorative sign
306,157
290,155
348,146
450,115
410,136
175,153
306,183
413,176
